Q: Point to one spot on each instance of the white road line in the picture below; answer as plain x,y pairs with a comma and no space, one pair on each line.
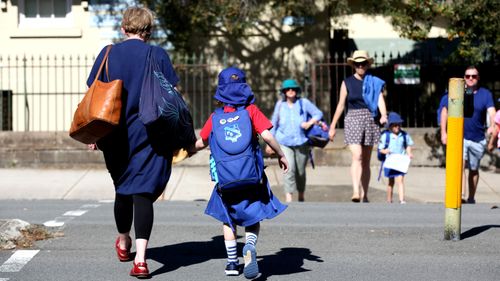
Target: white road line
88,206
4,279
75,213
19,259
53,223
106,201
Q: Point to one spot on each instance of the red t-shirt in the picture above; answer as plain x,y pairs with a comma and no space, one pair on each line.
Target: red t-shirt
260,122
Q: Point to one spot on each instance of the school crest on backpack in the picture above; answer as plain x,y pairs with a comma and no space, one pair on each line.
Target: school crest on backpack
236,158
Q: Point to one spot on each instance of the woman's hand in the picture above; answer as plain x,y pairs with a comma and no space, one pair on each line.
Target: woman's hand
283,163
332,133
92,146
383,119
308,124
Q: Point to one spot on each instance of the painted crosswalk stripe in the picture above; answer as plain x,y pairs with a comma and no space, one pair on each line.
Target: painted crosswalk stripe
19,259
75,213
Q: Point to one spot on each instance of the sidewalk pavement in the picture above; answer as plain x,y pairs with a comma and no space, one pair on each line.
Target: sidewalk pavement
189,183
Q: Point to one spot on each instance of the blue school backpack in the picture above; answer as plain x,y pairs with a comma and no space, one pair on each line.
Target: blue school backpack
381,156
236,158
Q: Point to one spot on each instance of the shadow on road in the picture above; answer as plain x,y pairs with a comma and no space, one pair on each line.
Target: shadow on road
286,261
172,257
477,230
184,254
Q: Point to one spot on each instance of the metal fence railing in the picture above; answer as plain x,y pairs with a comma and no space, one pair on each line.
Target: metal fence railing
417,103
40,93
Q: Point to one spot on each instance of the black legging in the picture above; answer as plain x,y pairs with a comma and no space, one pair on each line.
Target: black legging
142,206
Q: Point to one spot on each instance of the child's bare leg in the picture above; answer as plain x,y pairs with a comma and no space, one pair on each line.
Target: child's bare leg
288,197
401,189
229,234
390,186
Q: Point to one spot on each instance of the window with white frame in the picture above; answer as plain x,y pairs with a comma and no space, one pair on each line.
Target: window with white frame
45,13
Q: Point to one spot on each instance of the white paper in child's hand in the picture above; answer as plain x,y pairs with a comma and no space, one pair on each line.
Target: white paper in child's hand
398,162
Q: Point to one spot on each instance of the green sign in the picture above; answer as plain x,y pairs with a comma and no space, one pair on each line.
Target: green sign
407,74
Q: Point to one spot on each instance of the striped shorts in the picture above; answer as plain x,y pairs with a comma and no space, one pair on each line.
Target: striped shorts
360,128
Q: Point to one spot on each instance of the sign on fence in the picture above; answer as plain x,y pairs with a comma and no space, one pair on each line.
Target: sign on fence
406,74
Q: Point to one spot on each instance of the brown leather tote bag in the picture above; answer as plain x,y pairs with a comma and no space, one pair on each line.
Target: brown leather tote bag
99,111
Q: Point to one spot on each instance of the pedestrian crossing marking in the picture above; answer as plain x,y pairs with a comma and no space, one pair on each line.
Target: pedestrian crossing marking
18,260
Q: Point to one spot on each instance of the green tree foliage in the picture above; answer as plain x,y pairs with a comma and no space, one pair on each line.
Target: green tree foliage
189,23
474,23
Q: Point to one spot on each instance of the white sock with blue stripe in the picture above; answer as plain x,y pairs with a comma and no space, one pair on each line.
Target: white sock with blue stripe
251,238
231,251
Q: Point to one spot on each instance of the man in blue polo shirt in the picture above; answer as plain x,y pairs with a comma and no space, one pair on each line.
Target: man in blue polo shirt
474,138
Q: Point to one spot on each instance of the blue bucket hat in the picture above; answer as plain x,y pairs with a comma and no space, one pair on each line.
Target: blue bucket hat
290,84
394,118
232,88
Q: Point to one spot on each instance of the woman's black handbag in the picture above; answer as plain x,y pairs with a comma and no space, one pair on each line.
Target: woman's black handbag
163,111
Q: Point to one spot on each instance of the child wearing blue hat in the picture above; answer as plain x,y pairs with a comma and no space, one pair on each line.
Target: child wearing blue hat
240,201
395,141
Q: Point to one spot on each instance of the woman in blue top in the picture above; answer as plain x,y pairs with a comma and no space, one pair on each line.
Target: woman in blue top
139,174
289,125
363,94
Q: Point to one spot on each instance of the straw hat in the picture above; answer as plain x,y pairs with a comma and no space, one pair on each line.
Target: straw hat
359,56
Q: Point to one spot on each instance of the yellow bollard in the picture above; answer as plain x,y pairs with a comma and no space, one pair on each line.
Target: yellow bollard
454,159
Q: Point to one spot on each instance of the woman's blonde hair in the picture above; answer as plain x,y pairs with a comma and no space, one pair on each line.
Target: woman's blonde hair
139,21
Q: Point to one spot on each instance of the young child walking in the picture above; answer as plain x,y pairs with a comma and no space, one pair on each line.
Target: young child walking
242,195
395,141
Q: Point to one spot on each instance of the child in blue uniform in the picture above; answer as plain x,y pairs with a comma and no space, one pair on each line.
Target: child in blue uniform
399,143
245,207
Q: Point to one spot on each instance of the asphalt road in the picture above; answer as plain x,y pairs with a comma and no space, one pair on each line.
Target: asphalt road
309,241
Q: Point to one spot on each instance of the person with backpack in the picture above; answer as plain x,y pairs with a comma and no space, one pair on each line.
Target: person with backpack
139,173
395,141
242,195
289,127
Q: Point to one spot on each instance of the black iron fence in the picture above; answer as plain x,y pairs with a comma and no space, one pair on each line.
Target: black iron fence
417,102
40,93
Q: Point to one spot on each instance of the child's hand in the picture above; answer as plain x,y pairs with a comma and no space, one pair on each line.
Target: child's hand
92,146
410,155
385,151
283,163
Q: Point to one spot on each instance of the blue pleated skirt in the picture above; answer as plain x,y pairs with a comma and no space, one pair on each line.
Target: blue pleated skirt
244,207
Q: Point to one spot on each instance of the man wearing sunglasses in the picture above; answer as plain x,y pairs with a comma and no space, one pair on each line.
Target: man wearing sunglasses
474,137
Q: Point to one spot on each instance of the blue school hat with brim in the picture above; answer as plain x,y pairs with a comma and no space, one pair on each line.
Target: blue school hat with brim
233,89
393,118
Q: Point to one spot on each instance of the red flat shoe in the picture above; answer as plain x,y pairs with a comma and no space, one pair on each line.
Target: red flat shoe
123,255
140,270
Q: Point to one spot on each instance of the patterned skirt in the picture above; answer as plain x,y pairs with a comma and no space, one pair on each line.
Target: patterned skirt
360,128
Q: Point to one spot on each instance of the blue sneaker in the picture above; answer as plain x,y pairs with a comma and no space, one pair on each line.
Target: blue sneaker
251,269
232,269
